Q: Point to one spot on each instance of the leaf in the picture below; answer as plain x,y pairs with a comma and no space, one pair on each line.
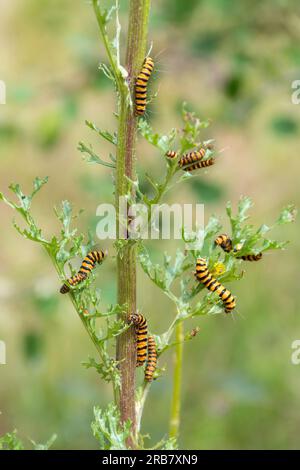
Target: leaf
10,441
108,430
33,233
287,215
154,271
245,203
190,134
173,271
162,142
65,216
92,157
25,201
38,183
105,134
170,444
7,201
115,328
45,446
107,71
106,369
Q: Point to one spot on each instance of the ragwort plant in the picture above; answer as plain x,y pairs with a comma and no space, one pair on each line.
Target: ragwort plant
119,425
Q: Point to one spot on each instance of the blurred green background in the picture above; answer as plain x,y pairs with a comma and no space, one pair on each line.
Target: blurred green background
234,63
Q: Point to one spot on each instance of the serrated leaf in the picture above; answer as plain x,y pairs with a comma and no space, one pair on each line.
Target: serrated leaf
45,446
105,134
10,441
162,142
108,430
287,215
92,157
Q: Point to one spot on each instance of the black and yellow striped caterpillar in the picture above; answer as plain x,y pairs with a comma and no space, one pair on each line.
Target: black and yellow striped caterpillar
203,275
200,164
250,257
141,86
192,157
226,244
86,267
152,359
171,154
141,331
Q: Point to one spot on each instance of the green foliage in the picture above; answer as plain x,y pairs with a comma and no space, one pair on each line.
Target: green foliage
164,275
107,429
91,156
45,446
111,138
10,441
252,239
62,249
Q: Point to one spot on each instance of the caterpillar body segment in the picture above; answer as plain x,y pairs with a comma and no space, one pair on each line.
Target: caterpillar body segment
224,242
171,154
250,257
141,331
73,281
192,157
201,164
152,359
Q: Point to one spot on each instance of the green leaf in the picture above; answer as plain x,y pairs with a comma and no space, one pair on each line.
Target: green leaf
154,271
45,446
92,157
10,441
160,141
193,125
65,216
38,183
287,215
105,134
108,430
107,369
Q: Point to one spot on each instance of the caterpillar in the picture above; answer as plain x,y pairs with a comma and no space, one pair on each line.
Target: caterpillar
203,275
250,257
171,154
141,86
86,267
152,359
200,164
192,157
224,242
141,331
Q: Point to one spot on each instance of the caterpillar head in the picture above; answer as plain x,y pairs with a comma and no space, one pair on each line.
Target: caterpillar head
133,318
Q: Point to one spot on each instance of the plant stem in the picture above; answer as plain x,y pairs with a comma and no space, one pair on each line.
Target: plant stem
140,405
125,168
112,61
176,396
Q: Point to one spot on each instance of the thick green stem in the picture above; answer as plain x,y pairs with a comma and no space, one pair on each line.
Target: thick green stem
125,168
176,396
